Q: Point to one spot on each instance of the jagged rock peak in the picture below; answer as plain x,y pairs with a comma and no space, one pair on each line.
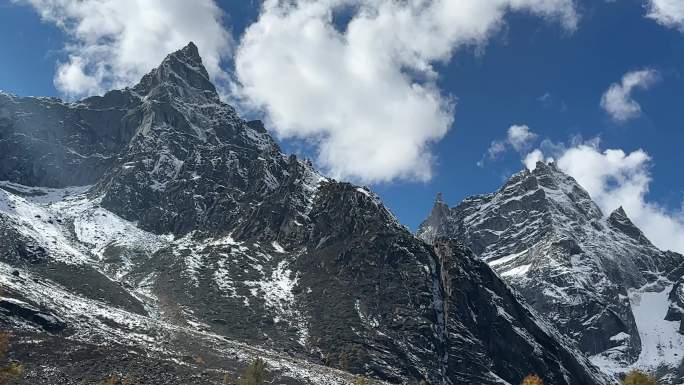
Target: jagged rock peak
560,189
438,221
619,213
200,228
542,166
619,220
542,232
438,198
546,192
189,55
180,70
190,50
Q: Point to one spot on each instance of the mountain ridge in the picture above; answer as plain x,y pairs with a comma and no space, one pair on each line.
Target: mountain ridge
584,271
192,227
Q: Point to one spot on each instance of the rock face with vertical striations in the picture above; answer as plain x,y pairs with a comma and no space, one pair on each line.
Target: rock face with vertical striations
193,244
597,279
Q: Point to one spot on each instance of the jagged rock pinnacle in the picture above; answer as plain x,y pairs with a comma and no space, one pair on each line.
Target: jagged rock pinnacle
544,234
180,70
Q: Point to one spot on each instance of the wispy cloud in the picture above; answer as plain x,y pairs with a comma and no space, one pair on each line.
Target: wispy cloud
549,100
618,102
518,137
530,160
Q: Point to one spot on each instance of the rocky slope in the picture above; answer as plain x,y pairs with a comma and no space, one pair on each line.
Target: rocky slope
194,244
597,279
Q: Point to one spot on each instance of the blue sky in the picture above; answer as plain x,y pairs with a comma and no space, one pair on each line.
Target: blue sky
502,87
531,71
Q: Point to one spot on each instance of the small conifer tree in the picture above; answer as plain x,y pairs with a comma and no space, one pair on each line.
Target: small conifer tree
254,374
344,361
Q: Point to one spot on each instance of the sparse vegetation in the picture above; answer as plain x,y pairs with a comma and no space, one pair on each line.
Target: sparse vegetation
344,361
636,377
358,353
327,361
113,380
360,380
227,380
11,371
532,379
254,374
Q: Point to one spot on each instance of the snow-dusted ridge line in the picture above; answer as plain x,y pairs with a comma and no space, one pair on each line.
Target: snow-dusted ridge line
87,230
142,331
582,269
72,225
95,228
259,239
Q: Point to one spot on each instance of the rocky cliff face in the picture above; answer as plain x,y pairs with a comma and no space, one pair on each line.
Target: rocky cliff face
588,274
195,236
46,142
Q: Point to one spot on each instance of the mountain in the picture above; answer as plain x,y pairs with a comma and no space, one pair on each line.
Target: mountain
597,279
153,232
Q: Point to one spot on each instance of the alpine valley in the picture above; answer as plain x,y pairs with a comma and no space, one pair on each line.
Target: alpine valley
152,233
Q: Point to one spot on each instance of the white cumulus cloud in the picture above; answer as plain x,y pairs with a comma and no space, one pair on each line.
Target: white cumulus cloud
364,92
113,43
532,158
618,102
615,178
669,13
518,137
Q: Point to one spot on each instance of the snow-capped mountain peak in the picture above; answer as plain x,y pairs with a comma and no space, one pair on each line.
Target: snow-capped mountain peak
181,74
542,232
194,235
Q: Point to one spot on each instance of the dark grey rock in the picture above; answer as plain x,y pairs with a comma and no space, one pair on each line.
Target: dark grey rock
257,250
676,309
546,237
45,320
